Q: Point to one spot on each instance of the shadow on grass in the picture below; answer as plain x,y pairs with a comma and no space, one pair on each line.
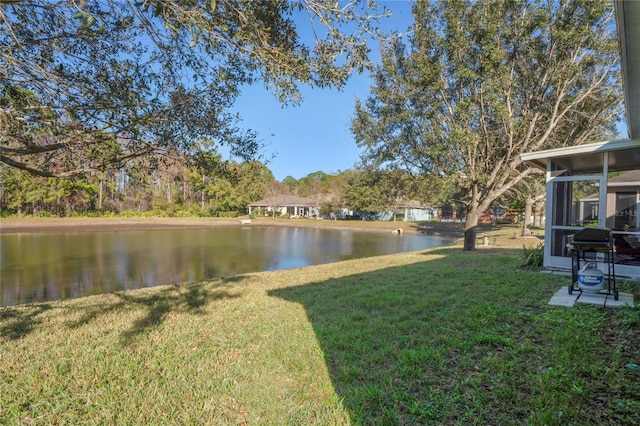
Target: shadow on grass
16,323
191,298
450,229
452,340
156,304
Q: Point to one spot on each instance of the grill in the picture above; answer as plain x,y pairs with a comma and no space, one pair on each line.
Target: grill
592,240
593,245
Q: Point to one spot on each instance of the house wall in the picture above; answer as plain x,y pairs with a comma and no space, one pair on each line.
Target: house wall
414,214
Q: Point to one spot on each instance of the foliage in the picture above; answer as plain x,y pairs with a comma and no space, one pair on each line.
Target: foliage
24,193
480,83
314,183
332,207
290,183
368,190
156,75
533,255
362,192
173,188
227,214
135,213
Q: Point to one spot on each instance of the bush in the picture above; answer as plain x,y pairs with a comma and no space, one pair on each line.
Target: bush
228,214
533,256
136,213
43,213
128,213
94,213
209,211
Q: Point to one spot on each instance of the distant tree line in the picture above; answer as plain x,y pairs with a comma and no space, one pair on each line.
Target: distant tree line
175,187
171,188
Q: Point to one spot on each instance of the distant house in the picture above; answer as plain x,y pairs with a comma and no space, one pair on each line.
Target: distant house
409,210
282,204
416,211
294,206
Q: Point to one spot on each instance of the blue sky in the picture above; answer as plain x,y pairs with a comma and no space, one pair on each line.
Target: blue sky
313,136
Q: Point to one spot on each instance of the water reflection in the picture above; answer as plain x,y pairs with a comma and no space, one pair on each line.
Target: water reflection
43,267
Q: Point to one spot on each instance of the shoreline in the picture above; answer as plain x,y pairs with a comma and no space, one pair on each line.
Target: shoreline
111,224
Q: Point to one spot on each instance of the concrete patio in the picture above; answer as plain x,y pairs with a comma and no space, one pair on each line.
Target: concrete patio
563,298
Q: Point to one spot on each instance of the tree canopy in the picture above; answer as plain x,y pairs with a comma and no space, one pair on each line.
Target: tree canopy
86,85
479,83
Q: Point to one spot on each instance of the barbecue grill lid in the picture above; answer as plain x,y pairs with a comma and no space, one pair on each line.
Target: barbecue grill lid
592,235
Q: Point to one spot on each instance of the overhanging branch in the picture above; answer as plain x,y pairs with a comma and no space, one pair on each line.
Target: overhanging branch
38,172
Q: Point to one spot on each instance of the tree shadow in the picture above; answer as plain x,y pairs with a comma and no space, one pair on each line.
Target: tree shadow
17,323
190,298
450,229
445,229
393,339
155,303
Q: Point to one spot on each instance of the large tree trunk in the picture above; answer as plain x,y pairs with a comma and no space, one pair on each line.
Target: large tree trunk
471,230
526,223
537,219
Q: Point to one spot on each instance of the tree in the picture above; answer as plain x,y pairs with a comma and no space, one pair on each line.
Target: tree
397,188
480,83
273,193
363,192
312,184
24,193
533,192
290,185
157,74
332,207
253,178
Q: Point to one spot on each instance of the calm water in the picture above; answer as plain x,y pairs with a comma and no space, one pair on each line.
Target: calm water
43,267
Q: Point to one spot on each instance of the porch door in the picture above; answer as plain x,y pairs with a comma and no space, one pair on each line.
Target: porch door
576,202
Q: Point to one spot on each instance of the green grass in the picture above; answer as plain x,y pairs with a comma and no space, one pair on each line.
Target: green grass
430,337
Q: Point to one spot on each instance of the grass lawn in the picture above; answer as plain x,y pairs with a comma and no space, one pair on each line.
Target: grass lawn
437,336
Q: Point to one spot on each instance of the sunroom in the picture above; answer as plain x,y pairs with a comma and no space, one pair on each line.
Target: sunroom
593,185
598,185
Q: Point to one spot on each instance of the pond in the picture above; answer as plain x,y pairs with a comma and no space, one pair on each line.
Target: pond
40,267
